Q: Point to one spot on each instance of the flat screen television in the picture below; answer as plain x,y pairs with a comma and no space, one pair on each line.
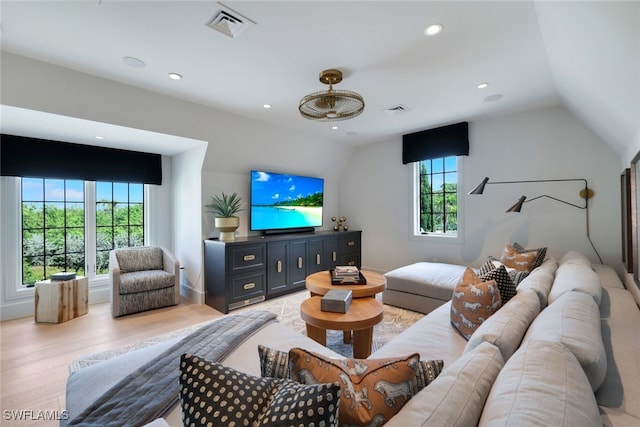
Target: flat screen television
285,203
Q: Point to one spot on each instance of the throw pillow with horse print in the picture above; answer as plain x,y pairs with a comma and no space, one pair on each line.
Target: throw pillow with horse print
372,391
472,303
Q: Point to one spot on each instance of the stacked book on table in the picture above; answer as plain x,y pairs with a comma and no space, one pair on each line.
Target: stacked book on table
347,275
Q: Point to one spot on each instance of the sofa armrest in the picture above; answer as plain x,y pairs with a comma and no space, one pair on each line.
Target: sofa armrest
172,265
114,279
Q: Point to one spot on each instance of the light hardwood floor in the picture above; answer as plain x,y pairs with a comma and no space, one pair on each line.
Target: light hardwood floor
35,357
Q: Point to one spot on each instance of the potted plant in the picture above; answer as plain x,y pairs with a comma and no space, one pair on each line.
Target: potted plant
224,208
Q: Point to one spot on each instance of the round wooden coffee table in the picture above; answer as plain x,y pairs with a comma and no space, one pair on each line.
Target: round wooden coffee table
361,317
320,283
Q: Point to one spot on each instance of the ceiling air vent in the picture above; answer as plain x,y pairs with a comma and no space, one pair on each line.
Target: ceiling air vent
229,22
397,109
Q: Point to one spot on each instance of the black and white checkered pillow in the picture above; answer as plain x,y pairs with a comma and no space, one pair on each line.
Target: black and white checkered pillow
491,263
505,284
213,394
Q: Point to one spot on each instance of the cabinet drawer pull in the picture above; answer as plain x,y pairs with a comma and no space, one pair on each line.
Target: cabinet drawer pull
351,243
299,262
317,259
248,286
249,257
279,266
334,257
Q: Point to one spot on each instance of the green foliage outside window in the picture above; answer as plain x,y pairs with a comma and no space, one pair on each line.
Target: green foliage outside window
438,196
53,225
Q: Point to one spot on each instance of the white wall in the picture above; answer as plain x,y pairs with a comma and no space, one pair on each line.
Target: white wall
234,146
373,192
548,143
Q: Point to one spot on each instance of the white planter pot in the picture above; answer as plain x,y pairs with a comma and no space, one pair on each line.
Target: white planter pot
227,227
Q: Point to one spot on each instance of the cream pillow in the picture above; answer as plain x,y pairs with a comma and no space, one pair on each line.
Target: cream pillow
542,384
574,320
508,325
457,395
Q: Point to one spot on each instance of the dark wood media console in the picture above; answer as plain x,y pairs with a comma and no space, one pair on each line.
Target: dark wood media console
254,268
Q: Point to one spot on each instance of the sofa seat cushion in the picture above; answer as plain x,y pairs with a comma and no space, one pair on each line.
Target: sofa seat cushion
621,387
542,384
576,277
144,281
574,320
432,337
457,396
508,325
431,279
139,258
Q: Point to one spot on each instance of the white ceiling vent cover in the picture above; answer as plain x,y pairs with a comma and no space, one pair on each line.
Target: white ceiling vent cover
229,22
397,109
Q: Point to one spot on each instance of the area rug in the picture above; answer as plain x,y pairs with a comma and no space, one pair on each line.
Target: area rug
287,308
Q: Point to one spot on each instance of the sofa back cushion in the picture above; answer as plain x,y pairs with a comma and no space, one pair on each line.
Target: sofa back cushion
541,384
574,320
139,259
473,302
457,395
540,280
576,277
508,325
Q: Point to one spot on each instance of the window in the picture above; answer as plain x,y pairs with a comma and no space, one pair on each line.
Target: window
56,220
119,219
437,197
52,228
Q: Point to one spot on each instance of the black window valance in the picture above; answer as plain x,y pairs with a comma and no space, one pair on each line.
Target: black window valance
33,157
451,140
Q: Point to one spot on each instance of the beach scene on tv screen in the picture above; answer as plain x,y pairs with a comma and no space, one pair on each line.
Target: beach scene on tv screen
285,201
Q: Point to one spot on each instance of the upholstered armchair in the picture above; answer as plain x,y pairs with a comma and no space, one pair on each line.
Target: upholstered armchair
143,278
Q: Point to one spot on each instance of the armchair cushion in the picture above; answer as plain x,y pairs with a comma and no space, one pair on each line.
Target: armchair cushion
144,281
139,259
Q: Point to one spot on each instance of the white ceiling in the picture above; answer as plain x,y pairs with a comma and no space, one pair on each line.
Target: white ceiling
532,53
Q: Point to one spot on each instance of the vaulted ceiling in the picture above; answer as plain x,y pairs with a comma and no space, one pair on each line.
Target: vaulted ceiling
583,54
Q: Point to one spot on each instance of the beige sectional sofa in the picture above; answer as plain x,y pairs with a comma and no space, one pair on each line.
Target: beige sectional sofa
564,352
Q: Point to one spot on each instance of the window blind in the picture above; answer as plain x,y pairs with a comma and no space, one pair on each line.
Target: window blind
33,157
451,140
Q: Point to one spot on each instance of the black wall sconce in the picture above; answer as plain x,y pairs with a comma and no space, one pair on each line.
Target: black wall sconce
585,193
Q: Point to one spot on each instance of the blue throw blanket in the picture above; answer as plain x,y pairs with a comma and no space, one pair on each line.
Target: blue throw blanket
150,391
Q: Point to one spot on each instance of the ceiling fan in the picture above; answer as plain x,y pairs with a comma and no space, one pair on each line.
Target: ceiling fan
331,105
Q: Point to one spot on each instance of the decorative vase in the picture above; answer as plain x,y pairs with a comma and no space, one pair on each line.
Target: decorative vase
227,227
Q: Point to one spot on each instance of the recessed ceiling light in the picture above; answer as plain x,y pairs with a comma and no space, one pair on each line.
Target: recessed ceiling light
482,85
99,137
175,76
133,62
334,127
492,98
432,30
266,106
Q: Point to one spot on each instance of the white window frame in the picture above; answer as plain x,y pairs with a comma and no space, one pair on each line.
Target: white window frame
11,230
414,212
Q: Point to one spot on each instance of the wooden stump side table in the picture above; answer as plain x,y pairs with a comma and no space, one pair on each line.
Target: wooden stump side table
59,301
362,316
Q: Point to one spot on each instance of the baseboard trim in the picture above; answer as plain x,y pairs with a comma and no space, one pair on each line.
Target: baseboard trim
26,307
194,295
